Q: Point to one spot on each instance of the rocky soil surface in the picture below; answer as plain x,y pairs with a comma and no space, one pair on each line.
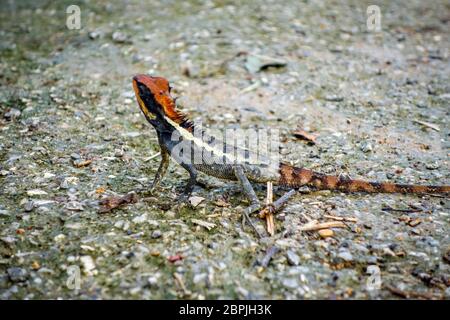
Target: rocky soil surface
71,135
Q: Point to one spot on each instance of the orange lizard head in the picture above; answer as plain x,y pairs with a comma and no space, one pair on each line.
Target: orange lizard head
155,101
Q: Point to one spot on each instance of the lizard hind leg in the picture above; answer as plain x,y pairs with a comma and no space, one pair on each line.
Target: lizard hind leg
255,205
191,182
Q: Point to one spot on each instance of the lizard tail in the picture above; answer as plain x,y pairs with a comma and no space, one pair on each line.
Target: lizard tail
297,177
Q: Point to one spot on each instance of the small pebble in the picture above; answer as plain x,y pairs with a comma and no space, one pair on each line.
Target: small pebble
29,205
4,213
333,98
152,281
293,258
119,37
17,274
199,277
432,166
88,264
345,255
156,234
447,293
93,35
140,219
74,206
326,233
59,238
12,114
75,156
290,283
366,147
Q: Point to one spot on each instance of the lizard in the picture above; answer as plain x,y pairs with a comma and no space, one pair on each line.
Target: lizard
154,98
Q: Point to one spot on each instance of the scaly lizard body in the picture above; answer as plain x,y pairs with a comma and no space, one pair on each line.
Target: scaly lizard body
159,108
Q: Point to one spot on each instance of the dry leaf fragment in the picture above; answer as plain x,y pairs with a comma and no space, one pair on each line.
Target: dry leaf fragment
415,222
221,203
35,265
195,200
110,203
303,135
82,163
100,190
175,258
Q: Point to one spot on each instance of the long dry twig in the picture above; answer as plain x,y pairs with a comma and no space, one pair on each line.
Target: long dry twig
401,210
408,294
349,219
313,225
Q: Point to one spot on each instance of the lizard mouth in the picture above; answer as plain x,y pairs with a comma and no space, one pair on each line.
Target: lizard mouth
141,103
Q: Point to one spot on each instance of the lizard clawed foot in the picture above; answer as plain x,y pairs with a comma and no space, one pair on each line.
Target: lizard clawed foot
273,207
183,198
268,209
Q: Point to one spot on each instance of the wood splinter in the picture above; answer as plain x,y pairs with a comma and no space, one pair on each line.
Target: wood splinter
272,207
270,223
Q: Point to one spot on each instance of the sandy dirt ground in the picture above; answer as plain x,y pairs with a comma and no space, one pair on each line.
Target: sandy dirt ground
71,134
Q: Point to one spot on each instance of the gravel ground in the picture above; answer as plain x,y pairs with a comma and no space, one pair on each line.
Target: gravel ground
71,134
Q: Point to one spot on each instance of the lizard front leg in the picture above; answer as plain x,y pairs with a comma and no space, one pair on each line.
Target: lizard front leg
162,169
251,195
191,182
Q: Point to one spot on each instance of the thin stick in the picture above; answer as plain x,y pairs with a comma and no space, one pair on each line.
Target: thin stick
269,198
326,225
180,282
152,157
435,195
136,179
250,222
401,210
340,218
408,294
428,125
268,256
